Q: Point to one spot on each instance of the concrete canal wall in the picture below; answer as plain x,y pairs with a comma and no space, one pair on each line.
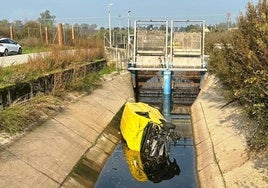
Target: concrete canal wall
221,152
46,156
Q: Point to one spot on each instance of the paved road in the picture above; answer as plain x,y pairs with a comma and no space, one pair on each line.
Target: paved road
14,59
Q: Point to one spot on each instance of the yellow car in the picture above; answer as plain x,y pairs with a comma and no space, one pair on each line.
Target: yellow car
146,130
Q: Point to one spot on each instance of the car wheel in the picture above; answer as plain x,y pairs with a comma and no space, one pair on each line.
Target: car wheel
5,52
20,51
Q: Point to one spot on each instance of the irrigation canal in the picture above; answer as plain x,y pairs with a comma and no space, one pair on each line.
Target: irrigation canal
121,169
167,70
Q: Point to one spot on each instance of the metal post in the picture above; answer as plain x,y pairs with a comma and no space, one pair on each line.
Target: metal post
171,41
167,106
128,34
203,44
110,29
135,43
166,46
116,63
167,82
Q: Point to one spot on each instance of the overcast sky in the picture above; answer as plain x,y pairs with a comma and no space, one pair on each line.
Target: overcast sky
96,11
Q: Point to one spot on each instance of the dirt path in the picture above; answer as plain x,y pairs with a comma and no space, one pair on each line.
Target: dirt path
222,156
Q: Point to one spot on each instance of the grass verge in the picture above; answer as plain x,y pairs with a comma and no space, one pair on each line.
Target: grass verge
21,116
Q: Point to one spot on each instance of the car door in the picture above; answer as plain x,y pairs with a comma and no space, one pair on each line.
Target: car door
8,45
12,46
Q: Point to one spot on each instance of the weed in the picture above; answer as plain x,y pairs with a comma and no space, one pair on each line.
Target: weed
90,81
13,119
18,117
241,65
53,61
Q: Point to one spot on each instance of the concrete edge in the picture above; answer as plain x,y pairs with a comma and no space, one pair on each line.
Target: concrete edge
222,155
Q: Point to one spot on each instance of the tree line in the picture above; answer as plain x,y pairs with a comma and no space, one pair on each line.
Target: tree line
35,29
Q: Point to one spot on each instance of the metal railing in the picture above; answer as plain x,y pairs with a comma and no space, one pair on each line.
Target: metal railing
185,51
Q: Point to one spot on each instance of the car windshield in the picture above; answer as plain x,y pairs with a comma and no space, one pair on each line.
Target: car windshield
7,41
11,41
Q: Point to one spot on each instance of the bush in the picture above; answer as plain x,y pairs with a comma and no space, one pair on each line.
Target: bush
30,42
242,66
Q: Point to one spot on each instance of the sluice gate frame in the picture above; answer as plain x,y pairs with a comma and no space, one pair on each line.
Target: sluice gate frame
171,53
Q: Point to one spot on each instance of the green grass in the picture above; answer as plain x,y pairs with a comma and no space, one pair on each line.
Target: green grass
28,50
90,81
17,117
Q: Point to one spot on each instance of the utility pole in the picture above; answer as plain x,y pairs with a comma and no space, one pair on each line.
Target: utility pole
110,29
228,20
128,34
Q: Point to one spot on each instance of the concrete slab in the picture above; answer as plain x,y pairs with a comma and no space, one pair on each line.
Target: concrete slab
222,156
15,172
73,121
52,149
45,156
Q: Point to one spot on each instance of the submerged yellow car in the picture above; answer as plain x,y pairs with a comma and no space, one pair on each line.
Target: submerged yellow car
146,130
143,167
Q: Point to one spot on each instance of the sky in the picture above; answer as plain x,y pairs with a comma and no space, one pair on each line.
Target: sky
96,11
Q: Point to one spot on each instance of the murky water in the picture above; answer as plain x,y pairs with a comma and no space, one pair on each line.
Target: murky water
124,169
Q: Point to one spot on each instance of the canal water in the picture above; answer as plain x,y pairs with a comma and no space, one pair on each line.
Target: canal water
126,168
123,168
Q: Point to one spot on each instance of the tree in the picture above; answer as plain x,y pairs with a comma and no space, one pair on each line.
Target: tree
18,24
31,29
4,28
46,19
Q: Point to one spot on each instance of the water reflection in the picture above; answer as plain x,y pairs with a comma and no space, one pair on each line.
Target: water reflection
122,171
128,168
144,167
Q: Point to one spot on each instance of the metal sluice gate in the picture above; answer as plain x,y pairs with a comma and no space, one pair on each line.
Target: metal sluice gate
168,59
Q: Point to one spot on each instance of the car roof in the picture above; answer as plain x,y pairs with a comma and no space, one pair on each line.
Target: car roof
4,38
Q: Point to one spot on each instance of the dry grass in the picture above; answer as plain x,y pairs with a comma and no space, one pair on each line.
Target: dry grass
20,116
56,60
